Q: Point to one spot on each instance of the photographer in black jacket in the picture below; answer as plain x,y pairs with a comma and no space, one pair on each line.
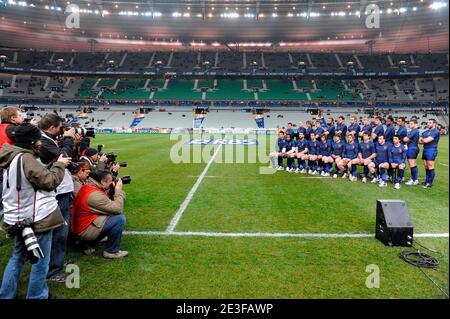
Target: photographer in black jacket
56,141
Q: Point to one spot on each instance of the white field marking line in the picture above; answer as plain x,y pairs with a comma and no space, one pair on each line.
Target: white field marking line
443,164
269,235
192,176
187,200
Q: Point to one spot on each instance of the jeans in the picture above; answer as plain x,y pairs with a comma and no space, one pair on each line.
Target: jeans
113,228
37,286
59,243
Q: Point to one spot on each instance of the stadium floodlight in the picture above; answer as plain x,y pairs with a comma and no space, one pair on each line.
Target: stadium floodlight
438,5
215,44
176,14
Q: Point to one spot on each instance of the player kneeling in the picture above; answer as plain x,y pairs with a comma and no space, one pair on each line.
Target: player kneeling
381,162
325,155
348,158
397,160
291,149
366,154
280,153
337,148
302,153
313,149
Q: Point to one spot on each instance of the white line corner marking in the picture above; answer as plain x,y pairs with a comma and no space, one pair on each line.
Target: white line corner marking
187,200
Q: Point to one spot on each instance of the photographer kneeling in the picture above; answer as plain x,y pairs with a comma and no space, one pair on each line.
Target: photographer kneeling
95,216
29,204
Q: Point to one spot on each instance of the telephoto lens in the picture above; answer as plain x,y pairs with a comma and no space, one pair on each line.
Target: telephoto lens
34,250
123,164
126,179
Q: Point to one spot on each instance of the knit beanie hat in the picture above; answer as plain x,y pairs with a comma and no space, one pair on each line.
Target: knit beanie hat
25,134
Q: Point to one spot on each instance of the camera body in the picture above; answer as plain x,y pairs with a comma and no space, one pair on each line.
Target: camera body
125,179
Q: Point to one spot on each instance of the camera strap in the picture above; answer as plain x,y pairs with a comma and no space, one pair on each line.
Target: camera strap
19,186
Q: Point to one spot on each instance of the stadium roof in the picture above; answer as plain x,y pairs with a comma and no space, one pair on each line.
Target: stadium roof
307,25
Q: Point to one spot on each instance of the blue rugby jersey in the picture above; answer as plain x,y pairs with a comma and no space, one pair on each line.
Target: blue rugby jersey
308,132
337,148
302,145
319,131
355,127
397,154
343,128
331,131
402,132
292,144
379,130
350,150
367,128
366,149
281,143
434,133
313,147
382,153
389,133
413,136
325,148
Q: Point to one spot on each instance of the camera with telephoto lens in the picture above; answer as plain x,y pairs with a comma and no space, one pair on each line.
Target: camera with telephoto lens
25,231
83,131
125,179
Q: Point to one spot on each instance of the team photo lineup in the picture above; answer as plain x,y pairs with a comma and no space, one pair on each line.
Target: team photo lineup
384,151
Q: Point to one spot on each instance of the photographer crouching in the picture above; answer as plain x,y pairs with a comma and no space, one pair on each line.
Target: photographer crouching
31,210
95,215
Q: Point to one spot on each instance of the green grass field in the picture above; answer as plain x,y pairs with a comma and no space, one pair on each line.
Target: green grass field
236,198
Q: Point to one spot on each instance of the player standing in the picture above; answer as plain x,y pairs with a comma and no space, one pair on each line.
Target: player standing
412,143
430,139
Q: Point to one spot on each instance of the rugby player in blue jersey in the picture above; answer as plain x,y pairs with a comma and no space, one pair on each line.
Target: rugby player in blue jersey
378,129
280,150
302,153
366,154
341,128
318,131
290,131
330,131
402,131
429,139
354,128
291,146
389,131
397,159
301,129
350,153
381,162
412,143
325,155
366,127
337,149
313,149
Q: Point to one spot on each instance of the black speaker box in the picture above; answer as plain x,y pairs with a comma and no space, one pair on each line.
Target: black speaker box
394,226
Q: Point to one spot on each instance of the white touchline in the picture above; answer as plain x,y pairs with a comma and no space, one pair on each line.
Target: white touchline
275,235
444,164
187,200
